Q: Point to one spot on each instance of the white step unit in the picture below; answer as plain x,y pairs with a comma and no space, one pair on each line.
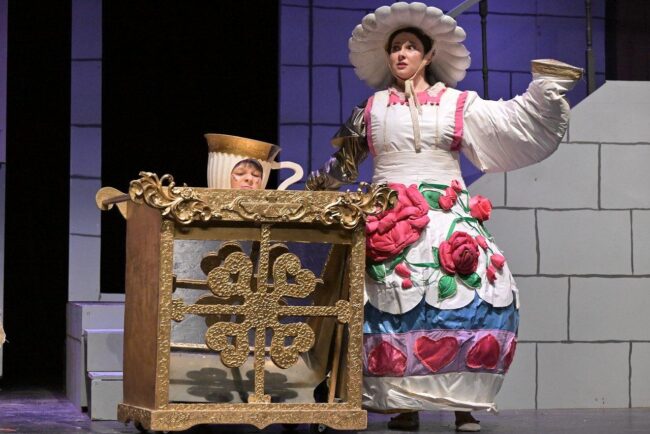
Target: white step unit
104,394
82,316
104,349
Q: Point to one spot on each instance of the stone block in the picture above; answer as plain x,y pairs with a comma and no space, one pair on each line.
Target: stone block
593,120
518,390
294,141
584,242
543,308
567,179
104,349
326,99
492,186
512,7
331,30
640,374
84,215
294,94
83,268
86,29
321,148
104,394
86,93
583,375
354,91
569,7
498,83
511,47
86,151
294,35
86,315
625,188
641,241
520,82
514,232
563,38
610,308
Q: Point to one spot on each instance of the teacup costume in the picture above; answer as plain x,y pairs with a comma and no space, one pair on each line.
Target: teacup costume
442,307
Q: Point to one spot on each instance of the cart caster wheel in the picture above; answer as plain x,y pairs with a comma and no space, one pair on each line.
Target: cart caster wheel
140,428
290,426
317,428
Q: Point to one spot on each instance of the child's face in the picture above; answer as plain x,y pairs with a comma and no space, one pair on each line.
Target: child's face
245,177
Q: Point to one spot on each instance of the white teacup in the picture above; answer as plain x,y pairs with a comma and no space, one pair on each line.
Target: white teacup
225,152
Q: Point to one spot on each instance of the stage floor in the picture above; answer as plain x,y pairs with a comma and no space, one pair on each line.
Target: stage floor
41,411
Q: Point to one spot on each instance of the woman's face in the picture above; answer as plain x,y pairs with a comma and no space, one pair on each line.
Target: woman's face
406,54
245,177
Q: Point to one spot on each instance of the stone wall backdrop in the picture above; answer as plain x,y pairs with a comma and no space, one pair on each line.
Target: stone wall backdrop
85,150
575,230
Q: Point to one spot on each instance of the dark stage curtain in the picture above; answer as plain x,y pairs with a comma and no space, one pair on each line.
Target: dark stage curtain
628,40
173,71
37,192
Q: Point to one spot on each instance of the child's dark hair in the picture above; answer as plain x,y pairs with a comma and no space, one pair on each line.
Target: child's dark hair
427,42
250,162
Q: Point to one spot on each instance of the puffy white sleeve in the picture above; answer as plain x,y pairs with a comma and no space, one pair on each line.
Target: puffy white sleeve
505,135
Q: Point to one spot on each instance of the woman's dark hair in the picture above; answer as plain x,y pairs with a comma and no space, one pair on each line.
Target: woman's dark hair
426,40
250,162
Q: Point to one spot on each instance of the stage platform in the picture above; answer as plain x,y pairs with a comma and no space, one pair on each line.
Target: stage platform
42,411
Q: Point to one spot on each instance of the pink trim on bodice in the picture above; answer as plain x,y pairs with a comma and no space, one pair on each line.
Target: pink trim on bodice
458,121
430,96
366,118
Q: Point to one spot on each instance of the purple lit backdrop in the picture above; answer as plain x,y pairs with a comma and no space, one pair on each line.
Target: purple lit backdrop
3,80
3,124
318,87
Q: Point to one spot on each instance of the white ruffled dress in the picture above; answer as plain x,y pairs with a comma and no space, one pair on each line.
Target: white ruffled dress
434,339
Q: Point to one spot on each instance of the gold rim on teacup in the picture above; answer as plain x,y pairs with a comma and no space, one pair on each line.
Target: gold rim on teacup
241,146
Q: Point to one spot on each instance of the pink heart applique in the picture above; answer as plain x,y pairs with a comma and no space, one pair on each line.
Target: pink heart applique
436,354
386,361
507,359
484,353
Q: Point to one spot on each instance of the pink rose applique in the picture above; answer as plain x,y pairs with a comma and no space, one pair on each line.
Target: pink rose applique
480,208
390,232
498,261
459,254
480,239
456,186
447,200
491,273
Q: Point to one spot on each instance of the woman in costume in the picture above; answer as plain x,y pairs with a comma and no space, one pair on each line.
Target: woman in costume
441,311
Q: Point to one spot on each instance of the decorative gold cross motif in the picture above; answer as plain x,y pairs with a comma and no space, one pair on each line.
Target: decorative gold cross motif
261,310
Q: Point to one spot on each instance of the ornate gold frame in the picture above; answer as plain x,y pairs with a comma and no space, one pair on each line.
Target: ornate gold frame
157,213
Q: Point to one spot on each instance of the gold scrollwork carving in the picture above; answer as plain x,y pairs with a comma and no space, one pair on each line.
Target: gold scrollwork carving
352,207
264,208
180,203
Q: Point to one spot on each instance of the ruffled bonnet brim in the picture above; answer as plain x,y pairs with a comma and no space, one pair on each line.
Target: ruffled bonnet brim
367,44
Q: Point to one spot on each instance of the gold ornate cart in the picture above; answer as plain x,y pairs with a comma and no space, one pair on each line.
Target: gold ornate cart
264,312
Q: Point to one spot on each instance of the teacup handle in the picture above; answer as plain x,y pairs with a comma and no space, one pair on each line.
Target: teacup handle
297,176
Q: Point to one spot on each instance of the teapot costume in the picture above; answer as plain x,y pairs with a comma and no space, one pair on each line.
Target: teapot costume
442,307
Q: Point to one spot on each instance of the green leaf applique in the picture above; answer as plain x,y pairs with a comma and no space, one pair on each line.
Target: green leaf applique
432,198
472,280
446,287
376,271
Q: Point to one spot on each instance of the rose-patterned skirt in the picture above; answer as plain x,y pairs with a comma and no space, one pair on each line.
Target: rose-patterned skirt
441,311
